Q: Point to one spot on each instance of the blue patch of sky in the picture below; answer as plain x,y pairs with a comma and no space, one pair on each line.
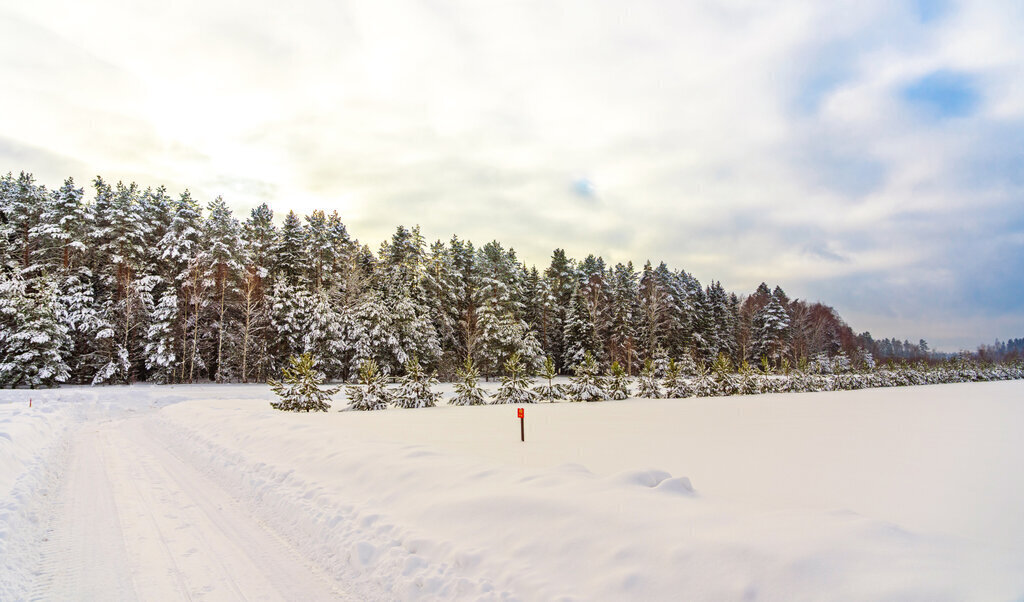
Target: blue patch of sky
928,11
584,187
943,95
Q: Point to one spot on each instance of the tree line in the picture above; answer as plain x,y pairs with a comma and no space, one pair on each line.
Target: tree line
135,284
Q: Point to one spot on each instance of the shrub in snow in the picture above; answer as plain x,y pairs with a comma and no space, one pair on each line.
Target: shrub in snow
299,390
467,389
549,391
414,390
515,385
618,382
588,385
647,384
372,392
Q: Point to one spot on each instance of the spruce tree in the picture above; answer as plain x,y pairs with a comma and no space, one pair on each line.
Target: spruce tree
467,388
299,390
515,384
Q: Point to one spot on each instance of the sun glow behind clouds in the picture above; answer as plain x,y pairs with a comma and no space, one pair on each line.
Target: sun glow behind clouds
872,143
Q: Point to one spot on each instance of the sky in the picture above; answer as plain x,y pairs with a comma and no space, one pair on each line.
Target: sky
867,154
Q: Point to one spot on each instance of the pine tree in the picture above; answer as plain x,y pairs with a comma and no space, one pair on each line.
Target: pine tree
771,332
648,385
326,336
33,340
225,251
414,390
467,389
725,383
676,386
587,384
161,339
515,384
549,391
561,277
299,390
580,336
291,242
371,393
618,382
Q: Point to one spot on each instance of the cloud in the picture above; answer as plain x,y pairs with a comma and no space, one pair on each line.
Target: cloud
842,149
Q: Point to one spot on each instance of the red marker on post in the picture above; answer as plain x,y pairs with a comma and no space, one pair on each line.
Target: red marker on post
522,425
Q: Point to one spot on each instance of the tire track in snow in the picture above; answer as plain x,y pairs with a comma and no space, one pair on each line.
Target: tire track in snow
135,522
83,557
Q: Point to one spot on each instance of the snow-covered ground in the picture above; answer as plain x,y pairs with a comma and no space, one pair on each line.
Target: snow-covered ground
205,492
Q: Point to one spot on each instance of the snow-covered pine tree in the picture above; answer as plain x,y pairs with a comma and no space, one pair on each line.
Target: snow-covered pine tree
414,389
725,382
618,382
225,250
299,390
371,393
647,385
749,383
515,384
671,380
561,277
290,307
625,314
580,335
161,339
467,388
771,332
660,361
33,340
549,391
704,384
289,260
587,384
326,336
675,383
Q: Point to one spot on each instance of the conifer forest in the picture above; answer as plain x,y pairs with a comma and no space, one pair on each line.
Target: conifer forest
119,284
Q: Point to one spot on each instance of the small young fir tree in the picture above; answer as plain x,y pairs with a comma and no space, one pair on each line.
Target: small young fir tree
415,388
548,391
648,385
515,385
587,384
618,382
299,390
467,389
371,393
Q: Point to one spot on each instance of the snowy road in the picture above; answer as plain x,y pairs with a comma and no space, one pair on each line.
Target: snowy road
132,521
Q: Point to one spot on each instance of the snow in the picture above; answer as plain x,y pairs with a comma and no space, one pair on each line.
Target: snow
899,493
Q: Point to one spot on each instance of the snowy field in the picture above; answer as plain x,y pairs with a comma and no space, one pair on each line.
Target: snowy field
204,492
